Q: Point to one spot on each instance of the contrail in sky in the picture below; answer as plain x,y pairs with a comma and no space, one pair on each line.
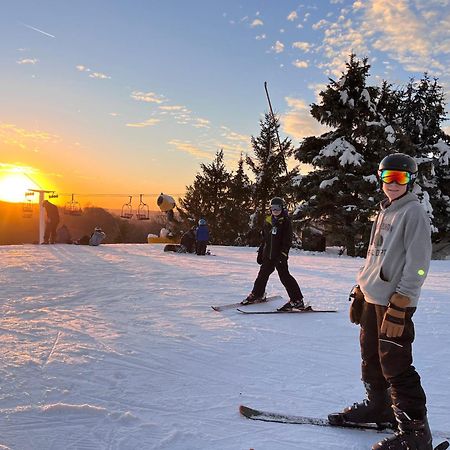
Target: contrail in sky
37,29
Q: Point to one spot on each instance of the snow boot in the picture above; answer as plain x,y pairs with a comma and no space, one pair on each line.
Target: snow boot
412,434
292,304
376,408
252,298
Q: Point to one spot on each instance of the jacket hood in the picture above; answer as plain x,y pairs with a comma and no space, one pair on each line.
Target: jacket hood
398,203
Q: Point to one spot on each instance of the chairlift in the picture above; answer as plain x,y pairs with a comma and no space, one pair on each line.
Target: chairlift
127,210
142,212
27,206
72,208
54,195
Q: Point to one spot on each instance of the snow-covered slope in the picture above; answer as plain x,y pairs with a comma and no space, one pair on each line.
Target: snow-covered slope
116,347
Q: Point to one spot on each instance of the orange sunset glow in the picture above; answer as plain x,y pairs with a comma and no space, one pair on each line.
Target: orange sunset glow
14,185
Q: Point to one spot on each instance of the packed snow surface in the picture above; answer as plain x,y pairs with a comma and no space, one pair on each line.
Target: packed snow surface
116,347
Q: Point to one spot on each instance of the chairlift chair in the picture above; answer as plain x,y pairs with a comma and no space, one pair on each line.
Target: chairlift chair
143,211
54,195
27,206
72,208
127,210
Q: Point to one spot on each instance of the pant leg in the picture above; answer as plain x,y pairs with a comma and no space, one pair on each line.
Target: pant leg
289,282
47,231
53,227
371,370
266,269
396,362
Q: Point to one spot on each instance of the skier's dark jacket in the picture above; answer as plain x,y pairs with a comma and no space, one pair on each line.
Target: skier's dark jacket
276,237
202,233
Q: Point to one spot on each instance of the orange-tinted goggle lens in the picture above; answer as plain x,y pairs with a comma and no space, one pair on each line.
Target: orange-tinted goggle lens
395,176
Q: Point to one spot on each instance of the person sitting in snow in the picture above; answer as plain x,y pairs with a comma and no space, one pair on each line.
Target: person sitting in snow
273,254
97,237
384,302
187,243
201,237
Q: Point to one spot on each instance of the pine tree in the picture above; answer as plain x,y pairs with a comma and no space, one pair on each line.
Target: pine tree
269,166
341,192
207,197
239,206
421,114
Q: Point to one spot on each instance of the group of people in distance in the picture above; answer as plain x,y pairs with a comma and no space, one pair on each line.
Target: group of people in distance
383,304
52,234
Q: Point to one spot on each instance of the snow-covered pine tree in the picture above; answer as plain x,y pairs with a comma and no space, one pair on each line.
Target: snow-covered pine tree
421,115
239,205
207,197
341,192
268,165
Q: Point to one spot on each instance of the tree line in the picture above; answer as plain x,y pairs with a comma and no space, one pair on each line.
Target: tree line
340,194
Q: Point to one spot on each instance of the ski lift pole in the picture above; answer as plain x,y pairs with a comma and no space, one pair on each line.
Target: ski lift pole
275,124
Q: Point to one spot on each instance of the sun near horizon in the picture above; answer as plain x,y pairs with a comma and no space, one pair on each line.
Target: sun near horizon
14,185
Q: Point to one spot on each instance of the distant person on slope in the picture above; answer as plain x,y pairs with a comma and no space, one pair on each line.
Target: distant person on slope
97,237
384,303
51,223
201,237
187,243
273,254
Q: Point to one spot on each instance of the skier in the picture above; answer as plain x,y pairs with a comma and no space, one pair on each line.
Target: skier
273,254
202,237
383,304
51,223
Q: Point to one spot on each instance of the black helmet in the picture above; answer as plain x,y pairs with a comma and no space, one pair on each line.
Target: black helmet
398,161
278,201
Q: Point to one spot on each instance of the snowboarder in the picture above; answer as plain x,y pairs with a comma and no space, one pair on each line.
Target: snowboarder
273,254
97,237
384,302
51,223
202,237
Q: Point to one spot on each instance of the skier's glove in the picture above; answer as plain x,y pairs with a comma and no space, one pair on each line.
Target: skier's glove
259,258
394,318
357,298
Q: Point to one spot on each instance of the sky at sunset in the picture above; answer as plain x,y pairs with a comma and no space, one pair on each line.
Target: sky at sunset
130,97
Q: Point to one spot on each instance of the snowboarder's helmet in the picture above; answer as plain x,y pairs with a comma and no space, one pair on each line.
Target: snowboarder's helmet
398,161
202,222
277,202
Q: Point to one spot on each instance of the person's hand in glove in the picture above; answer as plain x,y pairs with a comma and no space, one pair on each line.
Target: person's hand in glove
356,307
394,318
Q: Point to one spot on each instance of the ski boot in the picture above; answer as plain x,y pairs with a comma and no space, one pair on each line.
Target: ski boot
376,408
412,434
292,304
252,298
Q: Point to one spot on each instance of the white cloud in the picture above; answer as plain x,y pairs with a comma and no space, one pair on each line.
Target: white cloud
28,61
278,47
300,64
99,75
305,46
292,16
148,97
260,37
320,24
146,123
257,23
190,148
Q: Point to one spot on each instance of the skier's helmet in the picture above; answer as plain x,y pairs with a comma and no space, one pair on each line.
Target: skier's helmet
98,229
398,161
202,222
277,203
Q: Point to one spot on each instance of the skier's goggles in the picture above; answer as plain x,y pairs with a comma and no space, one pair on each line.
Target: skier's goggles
395,176
276,208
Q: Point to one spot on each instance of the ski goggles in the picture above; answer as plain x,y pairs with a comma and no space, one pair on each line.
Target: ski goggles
276,208
395,176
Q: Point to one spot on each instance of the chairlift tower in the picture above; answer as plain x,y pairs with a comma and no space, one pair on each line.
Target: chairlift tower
41,212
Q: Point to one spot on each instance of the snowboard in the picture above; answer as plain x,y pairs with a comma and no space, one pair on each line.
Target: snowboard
239,304
266,416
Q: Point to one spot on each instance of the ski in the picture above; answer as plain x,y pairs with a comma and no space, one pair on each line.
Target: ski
266,416
308,309
239,304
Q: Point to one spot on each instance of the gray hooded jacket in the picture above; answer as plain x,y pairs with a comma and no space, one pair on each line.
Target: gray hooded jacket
399,252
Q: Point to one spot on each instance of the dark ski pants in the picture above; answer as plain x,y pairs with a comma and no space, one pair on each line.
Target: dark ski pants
50,231
387,362
289,282
201,247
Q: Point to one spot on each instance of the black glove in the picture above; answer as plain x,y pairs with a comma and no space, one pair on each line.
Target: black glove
259,258
356,308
